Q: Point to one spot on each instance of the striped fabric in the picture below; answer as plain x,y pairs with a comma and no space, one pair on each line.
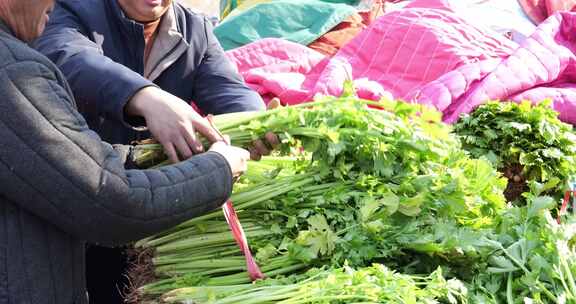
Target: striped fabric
227,6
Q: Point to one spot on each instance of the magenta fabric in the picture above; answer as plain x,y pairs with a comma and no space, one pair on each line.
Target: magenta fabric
539,10
427,54
402,50
544,66
278,68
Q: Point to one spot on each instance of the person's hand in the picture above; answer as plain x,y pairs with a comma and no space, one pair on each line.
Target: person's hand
171,121
263,146
274,103
236,157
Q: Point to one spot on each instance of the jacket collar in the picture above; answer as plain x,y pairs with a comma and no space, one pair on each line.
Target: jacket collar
5,28
6,31
129,23
168,46
126,23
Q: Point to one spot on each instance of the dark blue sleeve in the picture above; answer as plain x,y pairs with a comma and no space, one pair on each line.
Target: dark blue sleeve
104,85
89,194
218,88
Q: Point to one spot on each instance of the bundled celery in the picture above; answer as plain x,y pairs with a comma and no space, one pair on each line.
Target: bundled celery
374,284
387,185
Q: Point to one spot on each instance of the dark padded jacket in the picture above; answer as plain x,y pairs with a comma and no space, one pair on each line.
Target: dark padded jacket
100,51
60,185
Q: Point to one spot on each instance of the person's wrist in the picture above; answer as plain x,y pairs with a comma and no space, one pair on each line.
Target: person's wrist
136,106
229,158
228,161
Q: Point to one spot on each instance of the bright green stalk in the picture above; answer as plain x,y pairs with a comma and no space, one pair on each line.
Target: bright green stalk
218,251
205,240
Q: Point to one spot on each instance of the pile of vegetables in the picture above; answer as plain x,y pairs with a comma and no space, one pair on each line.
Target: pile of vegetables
374,284
534,260
526,142
366,205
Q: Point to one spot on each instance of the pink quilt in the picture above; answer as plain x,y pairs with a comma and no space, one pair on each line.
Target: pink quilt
539,10
543,66
424,53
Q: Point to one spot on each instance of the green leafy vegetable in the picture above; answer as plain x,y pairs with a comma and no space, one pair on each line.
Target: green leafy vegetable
526,142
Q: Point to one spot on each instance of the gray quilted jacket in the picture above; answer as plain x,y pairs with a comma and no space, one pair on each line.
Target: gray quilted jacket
60,185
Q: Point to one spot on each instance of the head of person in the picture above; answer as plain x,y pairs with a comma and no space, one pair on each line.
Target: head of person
26,18
145,10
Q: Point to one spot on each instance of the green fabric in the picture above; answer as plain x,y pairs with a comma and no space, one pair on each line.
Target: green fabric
300,21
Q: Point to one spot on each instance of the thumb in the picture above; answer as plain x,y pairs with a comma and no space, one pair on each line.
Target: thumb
226,138
209,132
274,103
